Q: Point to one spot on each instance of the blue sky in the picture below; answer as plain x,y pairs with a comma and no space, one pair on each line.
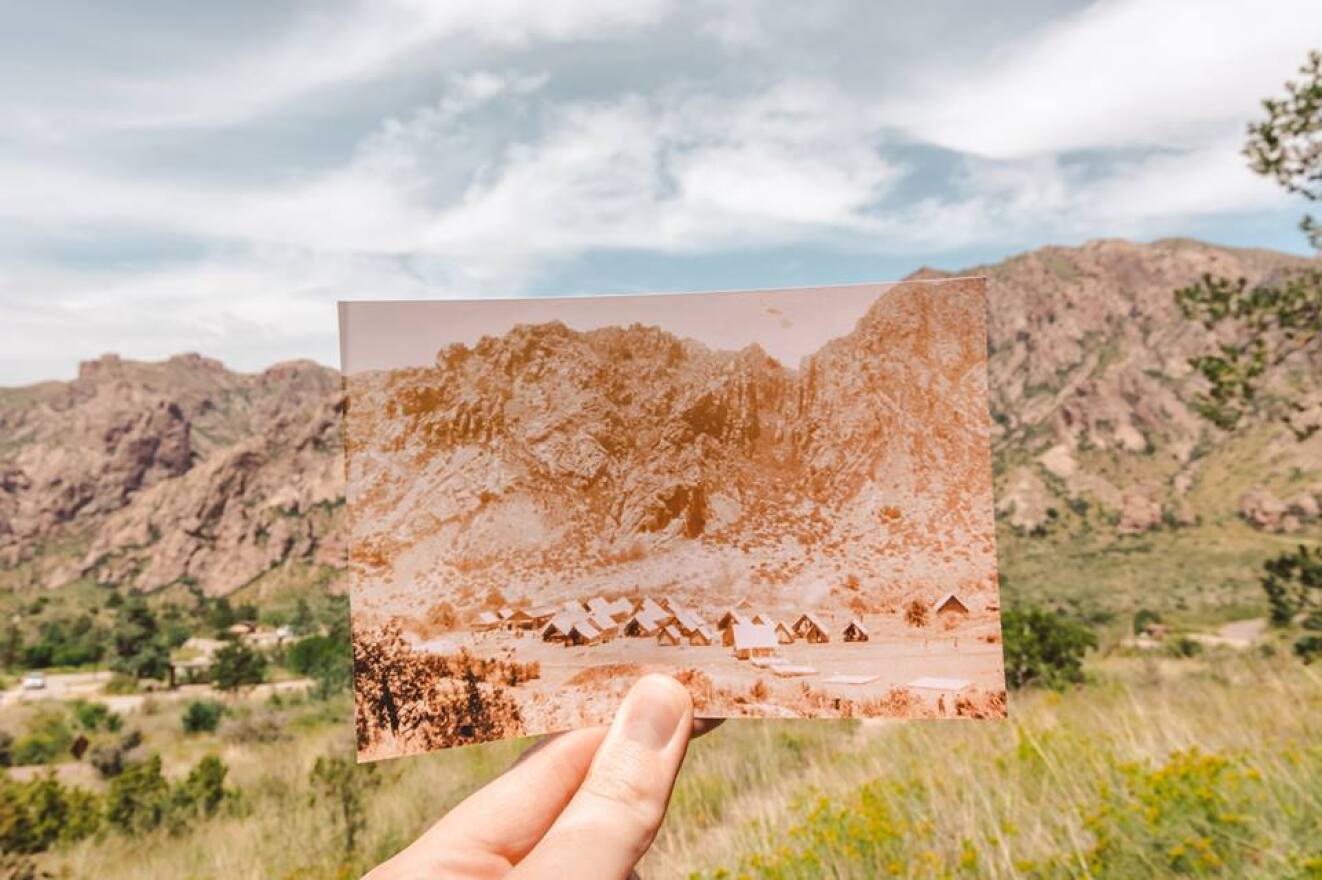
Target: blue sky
213,177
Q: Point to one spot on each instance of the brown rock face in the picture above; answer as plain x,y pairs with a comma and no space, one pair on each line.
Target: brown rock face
169,471
1262,509
1089,382
1140,511
572,447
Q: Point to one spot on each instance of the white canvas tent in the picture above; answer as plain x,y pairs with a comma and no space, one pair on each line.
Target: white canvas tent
753,640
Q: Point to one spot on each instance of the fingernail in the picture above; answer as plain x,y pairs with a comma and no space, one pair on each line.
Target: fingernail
653,711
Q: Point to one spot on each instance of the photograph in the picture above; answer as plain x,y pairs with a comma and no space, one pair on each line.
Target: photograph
646,440
782,498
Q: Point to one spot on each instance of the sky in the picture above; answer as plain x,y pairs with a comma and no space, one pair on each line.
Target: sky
787,324
215,177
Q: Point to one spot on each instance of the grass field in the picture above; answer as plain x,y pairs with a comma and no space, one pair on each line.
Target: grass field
1205,767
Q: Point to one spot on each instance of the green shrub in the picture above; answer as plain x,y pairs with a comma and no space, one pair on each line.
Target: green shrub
95,716
328,659
1043,648
204,789
202,716
1186,817
47,739
237,665
138,799
37,813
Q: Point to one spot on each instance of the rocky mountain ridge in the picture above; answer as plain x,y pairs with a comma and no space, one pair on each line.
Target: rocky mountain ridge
150,474
569,450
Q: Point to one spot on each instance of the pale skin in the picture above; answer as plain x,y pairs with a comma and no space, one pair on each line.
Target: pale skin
584,804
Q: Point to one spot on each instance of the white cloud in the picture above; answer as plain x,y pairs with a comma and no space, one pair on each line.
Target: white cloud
752,132
370,39
1119,73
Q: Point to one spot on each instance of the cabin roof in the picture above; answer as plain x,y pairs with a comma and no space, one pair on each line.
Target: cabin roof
754,635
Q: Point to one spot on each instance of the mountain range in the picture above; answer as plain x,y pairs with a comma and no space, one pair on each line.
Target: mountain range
151,474
627,457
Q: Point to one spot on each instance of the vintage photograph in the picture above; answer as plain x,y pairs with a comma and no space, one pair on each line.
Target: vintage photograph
782,498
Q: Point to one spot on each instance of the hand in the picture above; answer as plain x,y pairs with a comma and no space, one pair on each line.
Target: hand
584,804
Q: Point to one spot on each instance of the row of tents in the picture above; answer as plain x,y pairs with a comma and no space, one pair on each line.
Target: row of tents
671,623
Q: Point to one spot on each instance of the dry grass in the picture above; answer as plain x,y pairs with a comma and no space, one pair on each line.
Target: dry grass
994,799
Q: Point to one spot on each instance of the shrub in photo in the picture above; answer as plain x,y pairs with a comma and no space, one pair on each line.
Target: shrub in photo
202,716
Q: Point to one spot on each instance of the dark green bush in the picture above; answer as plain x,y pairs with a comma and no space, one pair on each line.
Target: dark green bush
1044,648
202,716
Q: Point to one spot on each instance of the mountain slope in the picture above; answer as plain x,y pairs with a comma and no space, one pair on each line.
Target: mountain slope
547,456
153,473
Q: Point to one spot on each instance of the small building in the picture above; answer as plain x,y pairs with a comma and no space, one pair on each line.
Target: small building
760,618
533,618
649,607
641,625
950,604
558,629
753,640
702,636
784,634
582,633
730,618
605,624
599,605
505,613
487,621
621,610
809,628
667,635
687,621
855,632
242,629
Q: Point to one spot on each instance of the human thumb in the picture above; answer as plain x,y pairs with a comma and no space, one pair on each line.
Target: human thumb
611,821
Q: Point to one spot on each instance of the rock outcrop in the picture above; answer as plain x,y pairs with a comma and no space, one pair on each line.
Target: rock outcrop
149,474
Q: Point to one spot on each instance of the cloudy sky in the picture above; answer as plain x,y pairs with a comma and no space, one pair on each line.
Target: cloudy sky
213,177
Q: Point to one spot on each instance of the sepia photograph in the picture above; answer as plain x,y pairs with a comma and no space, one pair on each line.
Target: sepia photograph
781,498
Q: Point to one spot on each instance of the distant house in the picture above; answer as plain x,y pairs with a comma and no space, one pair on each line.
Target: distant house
191,662
703,636
784,634
753,640
268,638
487,621
641,625
950,604
855,632
598,605
809,628
621,610
760,618
534,618
671,604
687,621
558,629
582,633
649,607
667,635
730,618
505,613
573,606
605,625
